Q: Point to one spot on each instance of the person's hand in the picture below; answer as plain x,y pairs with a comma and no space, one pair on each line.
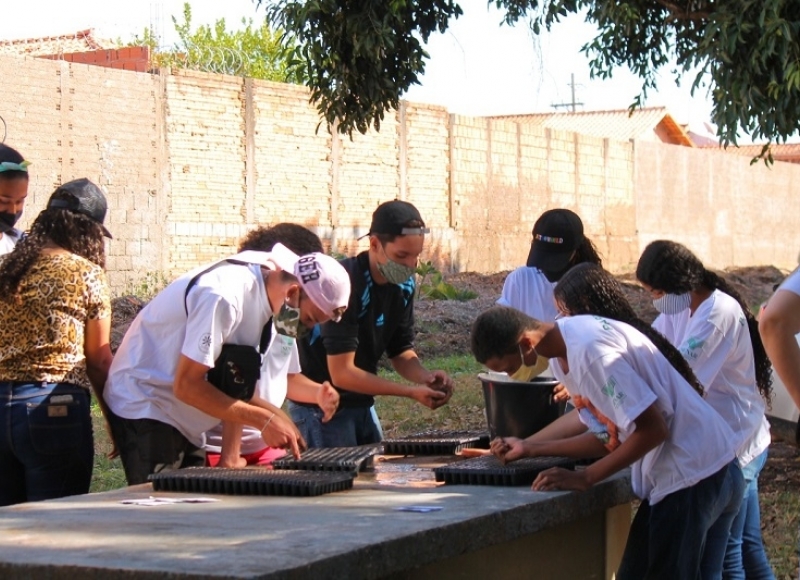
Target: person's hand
431,398
328,401
507,448
440,381
114,453
282,433
560,393
556,478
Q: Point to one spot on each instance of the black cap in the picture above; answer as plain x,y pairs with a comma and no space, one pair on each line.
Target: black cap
393,217
556,235
84,197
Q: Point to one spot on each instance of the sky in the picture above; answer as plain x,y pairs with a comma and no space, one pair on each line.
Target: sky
477,67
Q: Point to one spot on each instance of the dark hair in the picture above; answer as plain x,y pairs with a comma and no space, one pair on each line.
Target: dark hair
585,253
75,232
388,238
13,156
297,238
496,332
672,267
588,289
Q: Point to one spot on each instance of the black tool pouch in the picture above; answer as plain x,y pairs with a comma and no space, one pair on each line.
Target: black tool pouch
236,371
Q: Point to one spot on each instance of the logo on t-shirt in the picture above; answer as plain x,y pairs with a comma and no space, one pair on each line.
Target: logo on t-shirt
692,346
205,343
379,321
610,391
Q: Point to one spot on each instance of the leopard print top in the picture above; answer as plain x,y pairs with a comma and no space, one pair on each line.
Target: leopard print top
41,337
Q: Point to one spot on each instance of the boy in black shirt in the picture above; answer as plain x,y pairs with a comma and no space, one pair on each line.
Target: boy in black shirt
379,318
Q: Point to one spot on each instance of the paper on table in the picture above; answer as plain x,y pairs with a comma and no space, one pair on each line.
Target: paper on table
151,501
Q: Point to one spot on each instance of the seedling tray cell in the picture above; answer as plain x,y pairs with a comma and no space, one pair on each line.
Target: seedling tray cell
436,443
349,459
253,481
489,470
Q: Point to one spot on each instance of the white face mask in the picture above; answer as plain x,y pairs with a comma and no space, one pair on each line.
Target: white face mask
673,303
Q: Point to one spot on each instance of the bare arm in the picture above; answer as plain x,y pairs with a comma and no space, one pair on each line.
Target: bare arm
778,324
651,430
97,350
303,390
192,388
231,451
346,375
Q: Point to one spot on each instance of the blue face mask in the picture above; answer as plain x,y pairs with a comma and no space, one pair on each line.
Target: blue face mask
673,303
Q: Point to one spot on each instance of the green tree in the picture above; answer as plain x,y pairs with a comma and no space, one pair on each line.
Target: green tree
362,56
258,52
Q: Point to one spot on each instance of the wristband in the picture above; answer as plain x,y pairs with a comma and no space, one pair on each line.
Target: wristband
267,423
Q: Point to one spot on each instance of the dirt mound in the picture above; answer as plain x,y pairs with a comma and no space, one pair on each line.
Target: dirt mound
443,326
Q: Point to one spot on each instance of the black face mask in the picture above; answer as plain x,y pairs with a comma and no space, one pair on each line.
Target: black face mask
7,220
556,275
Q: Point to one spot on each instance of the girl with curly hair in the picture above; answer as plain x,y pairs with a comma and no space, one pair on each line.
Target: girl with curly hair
716,332
55,320
633,409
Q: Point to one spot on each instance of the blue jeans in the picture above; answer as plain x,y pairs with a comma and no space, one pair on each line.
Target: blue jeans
350,426
46,441
673,538
745,556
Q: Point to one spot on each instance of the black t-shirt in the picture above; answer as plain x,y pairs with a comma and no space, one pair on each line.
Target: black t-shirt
379,318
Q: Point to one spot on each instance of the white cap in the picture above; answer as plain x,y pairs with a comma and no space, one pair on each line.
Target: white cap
325,281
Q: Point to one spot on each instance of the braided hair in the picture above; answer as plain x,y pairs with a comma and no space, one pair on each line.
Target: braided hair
588,289
671,267
75,232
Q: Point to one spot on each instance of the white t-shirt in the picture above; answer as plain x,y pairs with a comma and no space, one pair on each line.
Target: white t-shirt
226,305
528,290
792,282
280,359
8,240
715,341
617,373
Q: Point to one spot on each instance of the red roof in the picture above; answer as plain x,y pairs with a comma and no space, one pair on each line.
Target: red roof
81,41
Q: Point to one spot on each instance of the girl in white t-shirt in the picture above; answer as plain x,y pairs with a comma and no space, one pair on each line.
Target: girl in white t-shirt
707,320
635,410
13,191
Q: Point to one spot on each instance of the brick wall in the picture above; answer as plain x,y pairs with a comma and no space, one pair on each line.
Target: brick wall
192,161
76,120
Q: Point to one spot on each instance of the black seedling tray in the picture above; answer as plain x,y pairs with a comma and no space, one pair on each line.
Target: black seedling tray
436,443
489,470
351,459
254,481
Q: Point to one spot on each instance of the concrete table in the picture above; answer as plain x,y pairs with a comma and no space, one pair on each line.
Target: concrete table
480,531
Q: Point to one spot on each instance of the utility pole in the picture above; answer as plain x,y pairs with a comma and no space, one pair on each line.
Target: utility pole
572,104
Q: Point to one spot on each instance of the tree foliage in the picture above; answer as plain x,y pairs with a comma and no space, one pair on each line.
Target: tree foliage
361,56
253,51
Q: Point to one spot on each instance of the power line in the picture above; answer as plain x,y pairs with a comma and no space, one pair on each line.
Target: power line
572,104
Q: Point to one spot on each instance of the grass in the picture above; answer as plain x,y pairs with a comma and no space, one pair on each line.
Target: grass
780,514
780,509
